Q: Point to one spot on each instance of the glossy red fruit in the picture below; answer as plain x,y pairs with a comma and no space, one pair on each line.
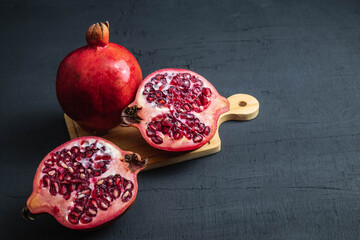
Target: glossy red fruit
96,82
176,110
85,183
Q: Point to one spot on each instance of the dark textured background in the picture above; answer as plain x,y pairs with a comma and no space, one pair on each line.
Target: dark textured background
292,173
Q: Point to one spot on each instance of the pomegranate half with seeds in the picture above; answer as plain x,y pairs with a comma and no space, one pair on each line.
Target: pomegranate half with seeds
85,183
176,110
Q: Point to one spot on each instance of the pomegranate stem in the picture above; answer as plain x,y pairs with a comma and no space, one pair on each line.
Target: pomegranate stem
26,214
135,164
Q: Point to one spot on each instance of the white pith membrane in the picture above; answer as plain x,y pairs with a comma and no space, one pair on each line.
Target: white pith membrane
80,206
164,106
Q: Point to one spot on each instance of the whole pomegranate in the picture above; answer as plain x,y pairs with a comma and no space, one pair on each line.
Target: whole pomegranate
176,110
85,183
96,82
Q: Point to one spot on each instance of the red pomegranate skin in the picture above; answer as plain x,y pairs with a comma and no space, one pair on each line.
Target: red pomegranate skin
96,82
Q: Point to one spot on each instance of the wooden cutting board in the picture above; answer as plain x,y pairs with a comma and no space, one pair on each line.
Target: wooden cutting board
243,107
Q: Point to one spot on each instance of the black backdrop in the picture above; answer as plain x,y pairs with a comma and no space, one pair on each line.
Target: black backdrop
292,173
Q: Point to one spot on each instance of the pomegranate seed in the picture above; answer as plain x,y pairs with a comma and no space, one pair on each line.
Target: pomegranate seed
174,81
150,98
197,138
61,177
201,127
86,192
167,122
53,173
161,102
153,126
183,115
62,164
190,123
206,92
110,182
171,89
198,83
78,208
158,125
158,94
193,79
92,211
178,124
150,132
129,185
106,157
103,204
165,130
204,100
72,187
85,219
126,196
177,135
99,165
206,131
45,181
197,101
49,163
116,193
195,105
73,219
89,153
159,76
186,83
148,87
186,75
195,128
74,213
187,107
63,189
54,188
66,196
188,135
47,169
157,139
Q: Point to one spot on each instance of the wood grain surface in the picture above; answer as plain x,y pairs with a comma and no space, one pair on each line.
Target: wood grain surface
243,107
291,173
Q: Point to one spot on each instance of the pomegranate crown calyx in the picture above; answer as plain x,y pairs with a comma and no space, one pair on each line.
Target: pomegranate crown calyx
98,34
136,164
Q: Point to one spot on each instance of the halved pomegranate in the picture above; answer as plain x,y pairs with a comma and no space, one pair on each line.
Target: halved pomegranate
85,183
176,110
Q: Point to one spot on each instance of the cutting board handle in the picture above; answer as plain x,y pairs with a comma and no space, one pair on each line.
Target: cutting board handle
243,107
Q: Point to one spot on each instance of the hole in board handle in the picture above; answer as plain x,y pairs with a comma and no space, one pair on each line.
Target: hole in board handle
242,104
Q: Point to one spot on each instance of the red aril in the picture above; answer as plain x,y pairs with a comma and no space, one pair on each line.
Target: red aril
176,110
96,82
85,183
